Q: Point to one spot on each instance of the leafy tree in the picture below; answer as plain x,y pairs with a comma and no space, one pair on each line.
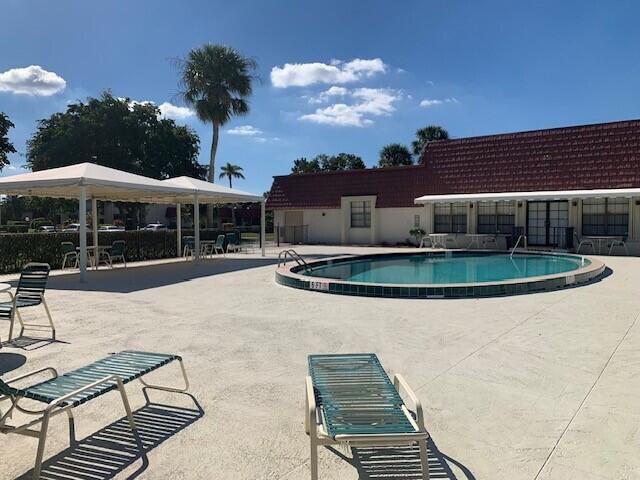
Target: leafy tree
216,81
428,134
115,133
231,171
341,161
302,165
6,146
393,155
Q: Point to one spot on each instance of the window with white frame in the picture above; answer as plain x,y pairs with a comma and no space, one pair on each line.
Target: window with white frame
450,218
605,216
416,221
361,214
496,217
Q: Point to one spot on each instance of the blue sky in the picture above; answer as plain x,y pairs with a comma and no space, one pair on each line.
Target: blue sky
337,76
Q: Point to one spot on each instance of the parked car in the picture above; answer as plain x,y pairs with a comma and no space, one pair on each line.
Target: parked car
72,227
110,228
46,228
155,227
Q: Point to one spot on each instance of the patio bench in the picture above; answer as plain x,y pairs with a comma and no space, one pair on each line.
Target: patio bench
62,393
350,400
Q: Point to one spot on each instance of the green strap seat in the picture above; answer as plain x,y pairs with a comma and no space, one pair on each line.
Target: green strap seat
356,396
127,365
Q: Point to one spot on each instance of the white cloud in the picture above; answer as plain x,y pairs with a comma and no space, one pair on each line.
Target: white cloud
367,102
327,94
245,131
427,102
169,110
305,74
32,80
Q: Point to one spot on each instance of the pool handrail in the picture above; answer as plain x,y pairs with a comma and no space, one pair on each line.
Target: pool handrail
521,237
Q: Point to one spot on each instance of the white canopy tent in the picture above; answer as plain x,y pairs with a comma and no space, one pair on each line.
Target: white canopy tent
206,192
86,181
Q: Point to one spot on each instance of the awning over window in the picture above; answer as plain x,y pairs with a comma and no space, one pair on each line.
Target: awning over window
541,195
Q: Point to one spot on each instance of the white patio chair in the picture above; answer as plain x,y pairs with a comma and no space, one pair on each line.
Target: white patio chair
619,242
580,241
450,242
490,242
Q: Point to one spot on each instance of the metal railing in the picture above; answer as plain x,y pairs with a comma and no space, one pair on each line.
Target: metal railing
521,237
295,256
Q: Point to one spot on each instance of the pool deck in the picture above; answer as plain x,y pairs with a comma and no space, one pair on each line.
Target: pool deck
539,386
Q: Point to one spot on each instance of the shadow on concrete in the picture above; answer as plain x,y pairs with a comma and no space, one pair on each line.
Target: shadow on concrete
11,361
112,450
402,463
28,344
136,278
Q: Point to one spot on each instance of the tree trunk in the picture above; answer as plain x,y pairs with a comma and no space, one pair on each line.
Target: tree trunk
211,176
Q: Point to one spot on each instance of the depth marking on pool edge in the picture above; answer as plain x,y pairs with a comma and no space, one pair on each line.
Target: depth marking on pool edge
586,397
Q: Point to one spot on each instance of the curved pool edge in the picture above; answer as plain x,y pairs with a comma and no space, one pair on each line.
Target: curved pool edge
289,276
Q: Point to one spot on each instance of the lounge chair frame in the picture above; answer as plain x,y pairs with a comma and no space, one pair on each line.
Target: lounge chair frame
36,298
60,405
319,436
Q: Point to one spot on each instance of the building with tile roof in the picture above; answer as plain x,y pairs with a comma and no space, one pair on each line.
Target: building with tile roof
536,183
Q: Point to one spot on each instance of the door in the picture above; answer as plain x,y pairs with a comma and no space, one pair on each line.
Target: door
545,221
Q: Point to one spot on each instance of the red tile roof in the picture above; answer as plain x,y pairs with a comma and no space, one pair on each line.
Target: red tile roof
604,155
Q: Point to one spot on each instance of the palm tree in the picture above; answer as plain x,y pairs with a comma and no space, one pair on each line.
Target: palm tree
393,155
428,134
216,82
231,171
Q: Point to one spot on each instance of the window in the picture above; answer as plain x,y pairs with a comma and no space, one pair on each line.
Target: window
450,218
361,214
416,221
496,217
605,216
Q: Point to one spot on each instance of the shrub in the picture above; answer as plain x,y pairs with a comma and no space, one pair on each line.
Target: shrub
18,249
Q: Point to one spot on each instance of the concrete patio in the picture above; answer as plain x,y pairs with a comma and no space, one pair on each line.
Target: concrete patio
541,386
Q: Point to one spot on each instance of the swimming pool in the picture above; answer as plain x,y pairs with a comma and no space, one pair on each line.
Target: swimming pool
442,274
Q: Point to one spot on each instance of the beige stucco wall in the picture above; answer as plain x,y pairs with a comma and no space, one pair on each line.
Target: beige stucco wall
324,225
394,223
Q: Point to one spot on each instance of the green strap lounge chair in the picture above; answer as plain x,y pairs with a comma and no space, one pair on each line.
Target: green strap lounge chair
233,244
350,400
115,252
189,248
70,254
218,247
29,293
63,393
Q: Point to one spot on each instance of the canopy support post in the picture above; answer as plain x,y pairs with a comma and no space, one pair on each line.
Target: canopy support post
94,218
82,231
196,228
179,230
263,236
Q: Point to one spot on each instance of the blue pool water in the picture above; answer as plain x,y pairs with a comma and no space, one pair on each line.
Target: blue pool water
447,269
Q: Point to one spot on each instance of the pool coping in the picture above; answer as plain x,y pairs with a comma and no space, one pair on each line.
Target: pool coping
289,275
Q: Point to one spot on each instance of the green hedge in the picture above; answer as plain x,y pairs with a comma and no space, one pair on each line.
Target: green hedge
18,249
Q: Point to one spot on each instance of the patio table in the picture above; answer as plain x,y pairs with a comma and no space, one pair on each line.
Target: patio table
438,239
92,253
476,237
